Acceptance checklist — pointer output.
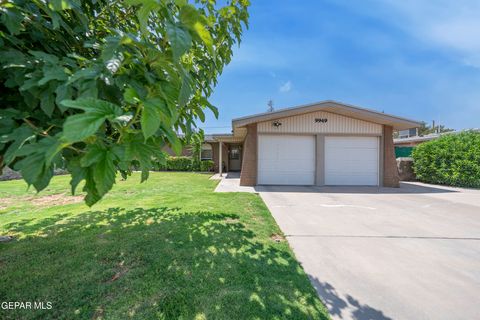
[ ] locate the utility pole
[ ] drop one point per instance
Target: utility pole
(270, 106)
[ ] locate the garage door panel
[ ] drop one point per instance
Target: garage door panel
(285, 178)
(352, 180)
(358, 142)
(351, 161)
(286, 159)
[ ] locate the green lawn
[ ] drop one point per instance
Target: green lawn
(169, 248)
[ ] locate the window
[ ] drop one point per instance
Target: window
(234, 154)
(206, 153)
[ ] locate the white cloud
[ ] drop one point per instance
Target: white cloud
(453, 25)
(286, 87)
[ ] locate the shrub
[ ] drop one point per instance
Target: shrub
(206, 165)
(196, 164)
(179, 163)
(453, 159)
(185, 164)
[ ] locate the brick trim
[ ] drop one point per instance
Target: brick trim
(390, 170)
(248, 175)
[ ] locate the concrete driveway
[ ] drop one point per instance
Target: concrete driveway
(380, 253)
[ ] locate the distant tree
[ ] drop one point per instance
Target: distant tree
(426, 129)
(101, 86)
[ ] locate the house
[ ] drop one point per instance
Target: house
(404, 145)
(325, 143)
(414, 140)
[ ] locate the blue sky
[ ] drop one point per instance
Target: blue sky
(414, 58)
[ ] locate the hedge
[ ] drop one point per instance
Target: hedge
(186, 164)
(452, 159)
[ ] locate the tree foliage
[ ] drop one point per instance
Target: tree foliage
(452, 159)
(425, 129)
(102, 86)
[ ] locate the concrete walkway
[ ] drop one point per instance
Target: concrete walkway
(381, 253)
(230, 182)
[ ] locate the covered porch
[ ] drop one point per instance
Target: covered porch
(226, 152)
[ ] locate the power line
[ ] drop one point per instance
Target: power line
(215, 127)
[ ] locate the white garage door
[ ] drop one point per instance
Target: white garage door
(351, 161)
(286, 159)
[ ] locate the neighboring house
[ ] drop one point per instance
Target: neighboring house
(412, 132)
(404, 146)
(325, 143)
(415, 140)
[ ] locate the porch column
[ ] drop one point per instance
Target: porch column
(220, 165)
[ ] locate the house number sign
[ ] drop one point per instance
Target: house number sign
(321, 120)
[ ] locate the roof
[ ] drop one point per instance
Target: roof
(416, 138)
(430, 136)
(398, 123)
(224, 137)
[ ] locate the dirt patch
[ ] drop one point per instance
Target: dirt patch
(98, 313)
(121, 271)
(5, 203)
(277, 237)
(41, 201)
(55, 200)
(231, 220)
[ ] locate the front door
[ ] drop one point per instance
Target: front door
(235, 158)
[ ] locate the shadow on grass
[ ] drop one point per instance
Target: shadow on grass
(152, 263)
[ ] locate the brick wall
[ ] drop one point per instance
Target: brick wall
(215, 156)
(390, 171)
(248, 176)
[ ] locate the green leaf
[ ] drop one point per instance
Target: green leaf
(45, 57)
(19, 137)
(131, 96)
(63, 92)
(104, 173)
(47, 102)
(204, 102)
(185, 91)
(53, 73)
(173, 139)
(204, 34)
(12, 19)
(143, 15)
(54, 146)
(33, 167)
(80, 126)
(196, 22)
(150, 119)
(90, 188)
(180, 39)
(200, 114)
(83, 74)
(136, 148)
(78, 174)
(92, 156)
(59, 5)
(44, 178)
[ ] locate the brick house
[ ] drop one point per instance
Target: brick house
(325, 143)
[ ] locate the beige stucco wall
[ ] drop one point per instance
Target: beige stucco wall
(306, 123)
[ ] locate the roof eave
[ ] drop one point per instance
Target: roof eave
(398, 123)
